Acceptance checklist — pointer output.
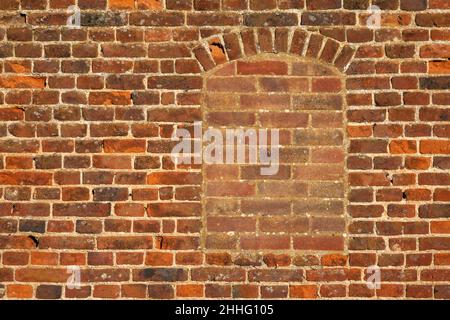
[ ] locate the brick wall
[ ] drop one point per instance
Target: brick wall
(300, 207)
(87, 179)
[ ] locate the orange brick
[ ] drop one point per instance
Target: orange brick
(303, 291)
(190, 290)
(22, 82)
(435, 147)
(402, 146)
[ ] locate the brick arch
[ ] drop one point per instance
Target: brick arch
(220, 49)
(214, 53)
(244, 213)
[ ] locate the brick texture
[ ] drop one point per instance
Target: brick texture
(86, 177)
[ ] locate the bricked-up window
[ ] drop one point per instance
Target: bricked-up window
(302, 206)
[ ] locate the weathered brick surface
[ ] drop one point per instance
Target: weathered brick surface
(86, 177)
(276, 212)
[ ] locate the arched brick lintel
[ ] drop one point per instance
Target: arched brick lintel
(220, 49)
